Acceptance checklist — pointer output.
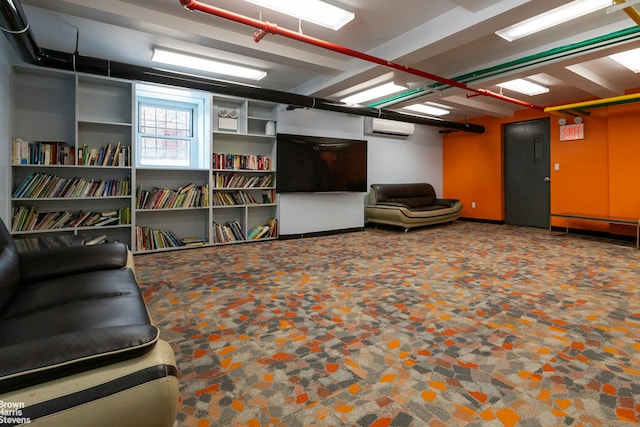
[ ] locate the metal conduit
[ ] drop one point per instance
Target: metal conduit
(549, 55)
(12, 18)
(266, 27)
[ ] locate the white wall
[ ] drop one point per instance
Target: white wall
(7, 57)
(390, 160)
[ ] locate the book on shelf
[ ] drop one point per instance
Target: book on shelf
(193, 241)
(42, 152)
(261, 231)
(42, 185)
(241, 161)
(107, 155)
(150, 239)
(233, 180)
(186, 196)
(34, 218)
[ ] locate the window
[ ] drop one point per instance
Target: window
(171, 129)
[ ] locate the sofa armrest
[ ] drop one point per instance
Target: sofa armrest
(445, 202)
(57, 262)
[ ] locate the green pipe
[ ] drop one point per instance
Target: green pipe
(559, 52)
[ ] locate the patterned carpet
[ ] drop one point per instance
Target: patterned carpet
(466, 324)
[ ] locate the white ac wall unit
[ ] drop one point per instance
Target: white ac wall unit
(391, 127)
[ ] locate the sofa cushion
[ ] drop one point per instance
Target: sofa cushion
(27, 363)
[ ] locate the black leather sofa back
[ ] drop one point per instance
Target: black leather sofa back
(410, 195)
(9, 266)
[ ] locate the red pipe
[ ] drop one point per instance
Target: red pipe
(266, 27)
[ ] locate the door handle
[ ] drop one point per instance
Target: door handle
(547, 179)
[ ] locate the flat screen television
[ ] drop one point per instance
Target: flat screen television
(320, 164)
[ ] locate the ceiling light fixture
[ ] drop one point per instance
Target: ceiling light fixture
(315, 11)
(427, 109)
(551, 18)
(204, 64)
(524, 86)
(373, 93)
(630, 59)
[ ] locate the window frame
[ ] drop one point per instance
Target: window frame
(198, 103)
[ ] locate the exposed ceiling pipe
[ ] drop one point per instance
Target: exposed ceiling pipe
(266, 27)
(12, 17)
(14, 23)
(631, 11)
(554, 54)
(596, 103)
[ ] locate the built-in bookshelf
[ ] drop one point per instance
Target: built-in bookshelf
(71, 177)
(243, 170)
(74, 178)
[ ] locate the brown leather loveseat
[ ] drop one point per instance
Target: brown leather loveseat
(409, 205)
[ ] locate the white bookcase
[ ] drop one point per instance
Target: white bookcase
(81, 114)
(243, 169)
(67, 113)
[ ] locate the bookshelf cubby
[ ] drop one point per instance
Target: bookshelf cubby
(74, 178)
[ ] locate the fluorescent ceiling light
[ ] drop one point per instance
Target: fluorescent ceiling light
(203, 64)
(524, 86)
(553, 17)
(630, 59)
(315, 11)
(427, 109)
(373, 93)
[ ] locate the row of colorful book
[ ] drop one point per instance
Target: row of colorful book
(32, 218)
(186, 196)
(270, 229)
(233, 198)
(241, 161)
(232, 180)
(108, 155)
(233, 231)
(43, 185)
(60, 153)
(228, 232)
(42, 152)
(149, 239)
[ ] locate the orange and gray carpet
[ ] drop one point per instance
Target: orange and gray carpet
(466, 324)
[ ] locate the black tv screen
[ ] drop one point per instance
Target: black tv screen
(320, 164)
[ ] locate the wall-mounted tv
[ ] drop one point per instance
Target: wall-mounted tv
(320, 164)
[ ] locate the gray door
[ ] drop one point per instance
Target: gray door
(526, 173)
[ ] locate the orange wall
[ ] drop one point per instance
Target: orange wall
(598, 175)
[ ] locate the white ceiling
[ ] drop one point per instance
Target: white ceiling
(446, 38)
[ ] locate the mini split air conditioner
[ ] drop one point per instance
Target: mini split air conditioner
(389, 127)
